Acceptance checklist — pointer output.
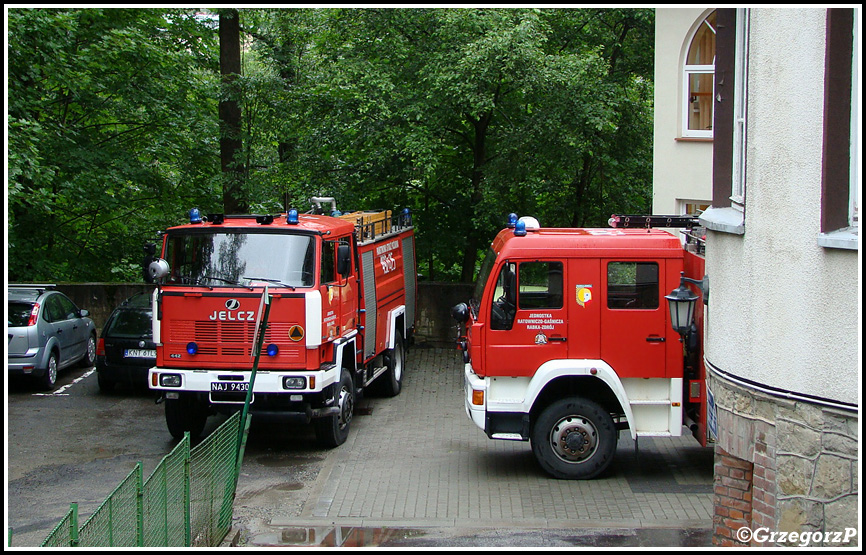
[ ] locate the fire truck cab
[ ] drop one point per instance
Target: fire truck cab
(341, 295)
(568, 340)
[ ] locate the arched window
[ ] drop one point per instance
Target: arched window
(698, 71)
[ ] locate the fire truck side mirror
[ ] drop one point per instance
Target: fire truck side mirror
(344, 260)
(149, 251)
(460, 312)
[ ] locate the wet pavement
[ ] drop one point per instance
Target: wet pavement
(415, 472)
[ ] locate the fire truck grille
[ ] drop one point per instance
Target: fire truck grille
(234, 338)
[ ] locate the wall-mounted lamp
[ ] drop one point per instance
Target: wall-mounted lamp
(682, 301)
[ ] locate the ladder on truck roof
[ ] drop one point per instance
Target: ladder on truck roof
(644, 221)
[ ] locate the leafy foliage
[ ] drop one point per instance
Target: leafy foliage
(463, 115)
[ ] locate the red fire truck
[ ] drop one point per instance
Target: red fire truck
(568, 339)
(342, 293)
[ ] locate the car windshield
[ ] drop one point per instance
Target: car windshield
(135, 324)
(19, 313)
(235, 258)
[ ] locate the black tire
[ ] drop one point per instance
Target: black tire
(574, 439)
(333, 431)
(186, 414)
(89, 359)
(49, 378)
(392, 380)
(106, 384)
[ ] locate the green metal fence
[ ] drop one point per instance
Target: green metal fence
(186, 501)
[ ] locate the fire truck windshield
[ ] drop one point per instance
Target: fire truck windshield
(227, 258)
(483, 274)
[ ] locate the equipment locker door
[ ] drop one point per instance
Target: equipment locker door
(528, 322)
(634, 318)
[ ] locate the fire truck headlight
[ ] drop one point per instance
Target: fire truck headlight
(273, 350)
(169, 380)
(294, 382)
(192, 348)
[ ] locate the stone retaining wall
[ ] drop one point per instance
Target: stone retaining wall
(433, 322)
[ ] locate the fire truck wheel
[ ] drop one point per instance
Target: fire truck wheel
(186, 414)
(333, 430)
(574, 439)
(392, 379)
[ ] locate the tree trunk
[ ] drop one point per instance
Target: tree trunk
(230, 113)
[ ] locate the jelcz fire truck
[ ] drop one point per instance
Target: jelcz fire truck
(342, 291)
(568, 339)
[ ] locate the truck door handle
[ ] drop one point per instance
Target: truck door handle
(557, 338)
(655, 339)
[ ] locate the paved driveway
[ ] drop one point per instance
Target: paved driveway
(415, 471)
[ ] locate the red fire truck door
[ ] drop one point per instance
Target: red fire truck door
(634, 318)
(528, 321)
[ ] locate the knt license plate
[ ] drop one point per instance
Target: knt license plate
(139, 353)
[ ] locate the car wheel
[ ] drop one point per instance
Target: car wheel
(49, 378)
(186, 414)
(332, 431)
(90, 354)
(574, 439)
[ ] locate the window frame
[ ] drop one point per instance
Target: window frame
(741, 102)
(689, 70)
(839, 172)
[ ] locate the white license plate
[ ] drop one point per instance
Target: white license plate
(139, 353)
(229, 386)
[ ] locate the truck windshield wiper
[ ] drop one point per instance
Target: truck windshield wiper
(269, 280)
(229, 281)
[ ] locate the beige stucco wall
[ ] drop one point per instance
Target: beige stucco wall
(681, 169)
(783, 310)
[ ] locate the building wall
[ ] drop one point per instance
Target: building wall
(786, 305)
(682, 169)
(781, 334)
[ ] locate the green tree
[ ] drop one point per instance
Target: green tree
(469, 114)
(111, 135)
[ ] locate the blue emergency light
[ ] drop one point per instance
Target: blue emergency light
(520, 228)
(292, 217)
(512, 220)
(194, 216)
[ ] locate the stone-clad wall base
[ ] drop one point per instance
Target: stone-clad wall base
(783, 465)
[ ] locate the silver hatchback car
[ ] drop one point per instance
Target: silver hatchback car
(47, 333)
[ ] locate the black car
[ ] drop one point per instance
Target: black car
(126, 350)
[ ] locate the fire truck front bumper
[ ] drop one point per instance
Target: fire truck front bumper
(476, 396)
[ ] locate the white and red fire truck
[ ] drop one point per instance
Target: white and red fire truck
(342, 291)
(568, 339)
